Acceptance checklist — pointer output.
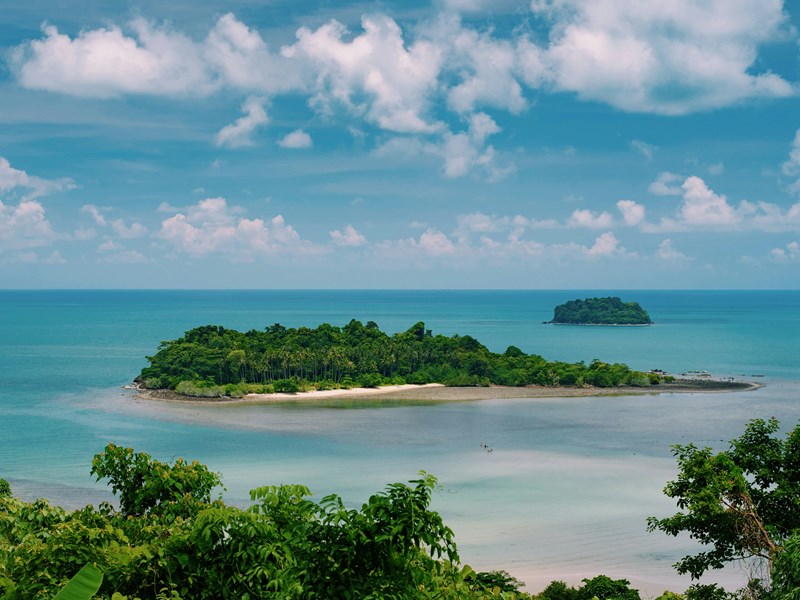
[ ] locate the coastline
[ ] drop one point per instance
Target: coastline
(437, 392)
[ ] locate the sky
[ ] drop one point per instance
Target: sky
(538, 144)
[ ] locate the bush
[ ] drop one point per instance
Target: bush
(286, 386)
(370, 380)
(5, 489)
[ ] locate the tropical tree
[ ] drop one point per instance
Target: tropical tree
(741, 503)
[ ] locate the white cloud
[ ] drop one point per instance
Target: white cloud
(716, 168)
(24, 226)
(588, 219)
(632, 213)
(128, 257)
(127, 232)
(430, 243)
(701, 206)
(792, 165)
(788, 254)
(606, 244)
(662, 57)
(486, 67)
(644, 149)
(666, 184)
(667, 252)
(212, 227)
(11, 178)
(242, 59)
(466, 152)
(239, 133)
(296, 139)
(701, 209)
(106, 62)
(463, 153)
(96, 213)
(348, 237)
(374, 74)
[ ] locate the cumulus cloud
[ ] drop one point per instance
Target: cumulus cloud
(348, 237)
(11, 178)
(96, 213)
(486, 67)
(107, 62)
(666, 184)
(667, 252)
(590, 220)
(662, 57)
(462, 153)
(632, 213)
(239, 133)
(788, 254)
(127, 232)
(239, 56)
(606, 244)
(213, 227)
(296, 139)
(466, 151)
(792, 165)
(701, 206)
(119, 226)
(375, 74)
(24, 226)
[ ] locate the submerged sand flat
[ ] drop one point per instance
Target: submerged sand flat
(436, 392)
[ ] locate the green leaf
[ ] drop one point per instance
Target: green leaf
(83, 585)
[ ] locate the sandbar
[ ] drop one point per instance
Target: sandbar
(436, 392)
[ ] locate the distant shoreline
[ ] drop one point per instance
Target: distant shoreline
(435, 392)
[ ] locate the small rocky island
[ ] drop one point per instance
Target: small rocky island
(600, 311)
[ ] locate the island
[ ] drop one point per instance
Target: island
(600, 311)
(212, 362)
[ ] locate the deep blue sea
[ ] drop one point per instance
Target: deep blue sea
(566, 491)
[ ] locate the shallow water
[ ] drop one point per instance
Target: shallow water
(565, 492)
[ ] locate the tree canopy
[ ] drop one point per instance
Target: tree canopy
(213, 360)
(173, 541)
(741, 503)
(600, 311)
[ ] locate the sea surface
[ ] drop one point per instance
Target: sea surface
(564, 494)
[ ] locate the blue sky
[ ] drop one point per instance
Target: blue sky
(441, 144)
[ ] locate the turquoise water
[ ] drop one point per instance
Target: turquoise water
(565, 492)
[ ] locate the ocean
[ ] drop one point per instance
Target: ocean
(564, 494)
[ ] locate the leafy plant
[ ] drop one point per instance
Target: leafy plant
(83, 585)
(743, 502)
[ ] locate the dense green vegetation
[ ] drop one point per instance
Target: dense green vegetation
(600, 311)
(741, 503)
(214, 361)
(169, 539)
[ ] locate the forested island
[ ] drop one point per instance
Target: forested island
(212, 361)
(600, 311)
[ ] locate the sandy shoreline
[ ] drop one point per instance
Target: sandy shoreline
(436, 392)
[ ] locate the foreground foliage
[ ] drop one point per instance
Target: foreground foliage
(169, 539)
(214, 361)
(742, 503)
(601, 311)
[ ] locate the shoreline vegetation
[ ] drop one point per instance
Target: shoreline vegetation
(212, 361)
(436, 392)
(609, 311)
